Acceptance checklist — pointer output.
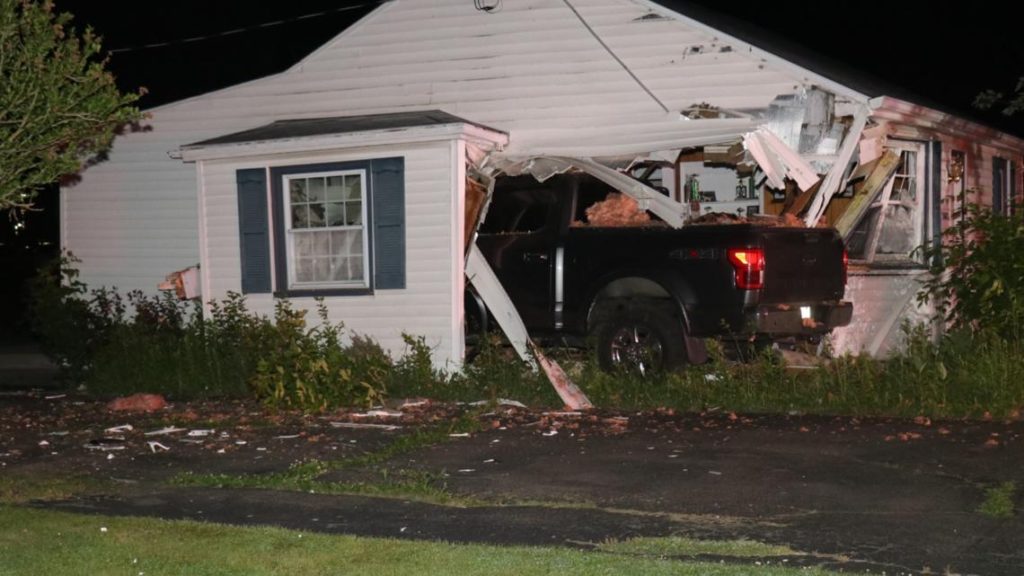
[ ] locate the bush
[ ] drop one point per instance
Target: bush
(70, 328)
(977, 279)
(113, 344)
(311, 370)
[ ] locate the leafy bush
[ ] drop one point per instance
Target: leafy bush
(119, 345)
(70, 327)
(977, 278)
(311, 370)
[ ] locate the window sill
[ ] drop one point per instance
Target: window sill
(314, 292)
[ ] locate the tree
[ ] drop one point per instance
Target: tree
(1009, 104)
(59, 107)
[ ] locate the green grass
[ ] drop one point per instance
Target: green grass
(305, 476)
(964, 376)
(678, 546)
(18, 487)
(999, 501)
(47, 542)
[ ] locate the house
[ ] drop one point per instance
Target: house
(346, 176)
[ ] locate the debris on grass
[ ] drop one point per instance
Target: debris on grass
(377, 414)
(104, 445)
(165, 431)
(505, 402)
(358, 425)
(138, 403)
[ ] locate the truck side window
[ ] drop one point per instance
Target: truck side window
(518, 211)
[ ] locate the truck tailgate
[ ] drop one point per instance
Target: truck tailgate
(802, 265)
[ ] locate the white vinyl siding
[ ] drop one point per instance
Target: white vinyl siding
(425, 308)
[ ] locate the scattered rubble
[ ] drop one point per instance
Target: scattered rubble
(138, 403)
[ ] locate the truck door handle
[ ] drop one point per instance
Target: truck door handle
(535, 257)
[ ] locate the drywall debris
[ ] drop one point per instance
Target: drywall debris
(378, 414)
(138, 403)
(105, 444)
(357, 425)
(499, 402)
(616, 211)
(165, 431)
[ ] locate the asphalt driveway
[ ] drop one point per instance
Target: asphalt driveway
(854, 495)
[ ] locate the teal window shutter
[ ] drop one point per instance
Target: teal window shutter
(998, 185)
(253, 230)
(388, 190)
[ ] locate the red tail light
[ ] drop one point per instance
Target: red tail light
(846, 265)
(749, 266)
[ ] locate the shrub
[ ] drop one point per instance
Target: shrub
(68, 326)
(977, 279)
(311, 370)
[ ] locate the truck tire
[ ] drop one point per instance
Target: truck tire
(642, 337)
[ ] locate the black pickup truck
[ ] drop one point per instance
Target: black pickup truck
(647, 296)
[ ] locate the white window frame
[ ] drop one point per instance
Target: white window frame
(885, 199)
(292, 260)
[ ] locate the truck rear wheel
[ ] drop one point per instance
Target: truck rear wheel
(639, 337)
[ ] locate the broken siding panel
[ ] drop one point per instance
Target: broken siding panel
(883, 304)
(423, 308)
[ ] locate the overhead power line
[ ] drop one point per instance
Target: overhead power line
(234, 31)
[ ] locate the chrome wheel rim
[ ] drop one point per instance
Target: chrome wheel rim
(636, 348)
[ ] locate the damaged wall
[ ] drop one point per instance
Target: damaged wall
(885, 292)
(547, 82)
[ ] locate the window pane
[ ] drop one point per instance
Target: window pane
(898, 234)
(336, 214)
(343, 243)
(353, 187)
(303, 244)
(297, 189)
(335, 188)
(857, 245)
(315, 189)
(340, 269)
(317, 217)
(321, 269)
(321, 243)
(354, 214)
(304, 270)
(356, 267)
(300, 216)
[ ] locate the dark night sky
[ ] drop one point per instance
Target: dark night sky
(934, 53)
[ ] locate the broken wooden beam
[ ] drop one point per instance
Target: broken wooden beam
(862, 199)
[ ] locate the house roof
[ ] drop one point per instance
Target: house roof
(856, 78)
(309, 127)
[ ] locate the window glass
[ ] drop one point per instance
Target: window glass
(326, 236)
(893, 226)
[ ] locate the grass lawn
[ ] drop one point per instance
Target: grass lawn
(48, 542)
